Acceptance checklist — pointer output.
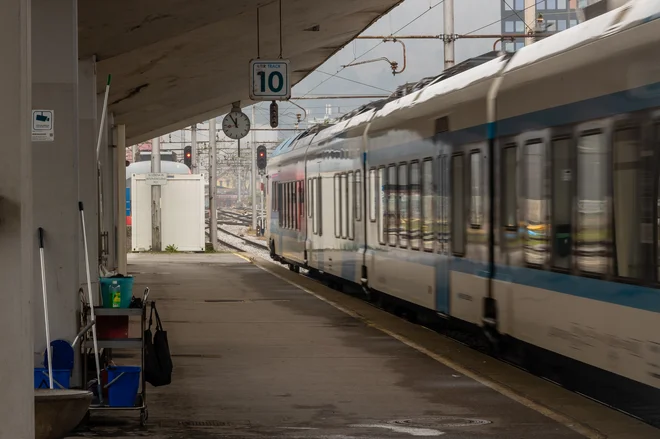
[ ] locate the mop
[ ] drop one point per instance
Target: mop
(43, 286)
(91, 305)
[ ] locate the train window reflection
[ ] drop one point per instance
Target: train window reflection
(415, 205)
(392, 213)
(562, 203)
(457, 205)
(357, 187)
(510, 202)
(373, 197)
(535, 209)
(427, 204)
(315, 207)
(342, 206)
(350, 191)
(402, 207)
(309, 197)
(628, 227)
(592, 218)
(476, 209)
(382, 200)
(319, 203)
(337, 207)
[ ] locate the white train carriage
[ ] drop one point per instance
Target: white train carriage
(521, 194)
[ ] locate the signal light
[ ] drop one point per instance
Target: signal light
(273, 115)
(187, 156)
(262, 157)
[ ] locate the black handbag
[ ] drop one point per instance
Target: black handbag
(157, 360)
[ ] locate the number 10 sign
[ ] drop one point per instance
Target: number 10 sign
(269, 80)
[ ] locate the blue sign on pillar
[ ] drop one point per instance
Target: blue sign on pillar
(128, 201)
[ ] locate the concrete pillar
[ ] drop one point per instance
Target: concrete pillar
(17, 232)
(87, 174)
(55, 165)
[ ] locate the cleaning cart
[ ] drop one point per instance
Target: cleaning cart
(123, 387)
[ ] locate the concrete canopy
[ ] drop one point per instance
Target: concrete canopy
(178, 62)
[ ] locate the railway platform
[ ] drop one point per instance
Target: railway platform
(262, 352)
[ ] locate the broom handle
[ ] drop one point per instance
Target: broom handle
(49, 355)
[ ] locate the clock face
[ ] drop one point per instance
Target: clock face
(236, 125)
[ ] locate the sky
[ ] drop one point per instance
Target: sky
(424, 57)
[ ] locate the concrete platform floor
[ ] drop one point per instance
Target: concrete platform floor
(256, 356)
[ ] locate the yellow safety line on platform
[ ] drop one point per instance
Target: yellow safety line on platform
(243, 257)
(574, 425)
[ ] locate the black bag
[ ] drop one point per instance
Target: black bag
(157, 360)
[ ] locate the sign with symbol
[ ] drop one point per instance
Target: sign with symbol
(566, 175)
(156, 179)
(269, 80)
(43, 125)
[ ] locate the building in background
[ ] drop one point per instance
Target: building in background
(521, 17)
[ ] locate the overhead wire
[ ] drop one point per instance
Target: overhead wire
(374, 47)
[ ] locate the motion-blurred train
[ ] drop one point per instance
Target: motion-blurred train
(513, 192)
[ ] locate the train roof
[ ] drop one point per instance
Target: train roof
(486, 66)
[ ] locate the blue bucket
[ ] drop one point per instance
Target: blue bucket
(125, 286)
(123, 391)
(61, 378)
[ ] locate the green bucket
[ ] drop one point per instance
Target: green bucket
(125, 286)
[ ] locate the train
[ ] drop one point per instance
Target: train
(515, 193)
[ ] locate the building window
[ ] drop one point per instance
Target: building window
(574, 23)
(520, 4)
(508, 26)
(540, 4)
(551, 4)
(510, 47)
(519, 45)
(561, 25)
(561, 4)
(551, 25)
(592, 217)
(520, 27)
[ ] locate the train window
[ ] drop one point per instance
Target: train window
(630, 228)
(319, 203)
(343, 202)
(476, 210)
(392, 213)
(534, 236)
(310, 209)
(415, 205)
(592, 217)
(280, 194)
(509, 188)
(350, 208)
(337, 207)
(373, 183)
(562, 203)
(382, 207)
(301, 203)
(402, 207)
(285, 205)
(427, 204)
(314, 206)
(457, 205)
(358, 195)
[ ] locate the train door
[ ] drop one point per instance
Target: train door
(442, 234)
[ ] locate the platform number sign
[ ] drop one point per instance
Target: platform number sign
(270, 80)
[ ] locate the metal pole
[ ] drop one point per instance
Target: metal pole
(213, 208)
(253, 177)
(448, 12)
(238, 186)
(121, 200)
(261, 211)
(155, 197)
(193, 148)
